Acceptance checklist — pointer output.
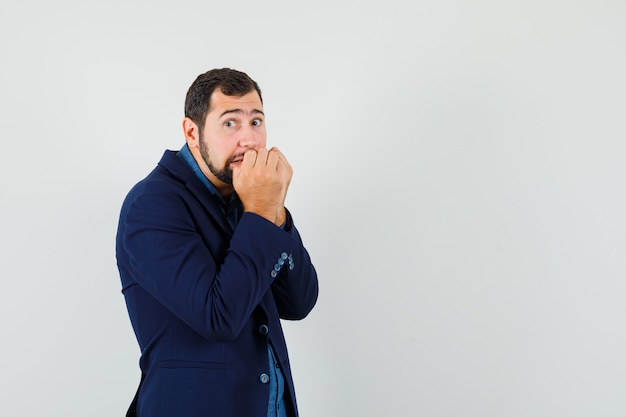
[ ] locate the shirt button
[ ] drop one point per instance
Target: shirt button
(273, 274)
(264, 378)
(264, 329)
(284, 255)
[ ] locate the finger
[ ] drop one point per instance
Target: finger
(249, 159)
(283, 164)
(261, 158)
(273, 159)
(277, 151)
(281, 156)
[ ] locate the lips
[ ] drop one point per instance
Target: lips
(236, 159)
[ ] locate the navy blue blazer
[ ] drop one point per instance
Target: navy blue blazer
(204, 301)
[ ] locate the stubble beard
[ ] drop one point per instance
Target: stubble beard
(225, 173)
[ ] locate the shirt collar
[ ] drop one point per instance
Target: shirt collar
(232, 208)
(186, 155)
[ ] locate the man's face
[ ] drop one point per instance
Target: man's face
(233, 125)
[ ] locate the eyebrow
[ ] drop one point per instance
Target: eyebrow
(254, 111)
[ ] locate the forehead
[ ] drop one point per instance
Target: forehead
(220, 103)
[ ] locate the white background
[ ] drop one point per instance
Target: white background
(459, 182)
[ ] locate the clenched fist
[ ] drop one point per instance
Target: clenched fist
(261, 182)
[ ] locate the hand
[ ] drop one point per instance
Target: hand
(261, 182)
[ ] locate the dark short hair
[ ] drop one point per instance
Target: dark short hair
(230, 82)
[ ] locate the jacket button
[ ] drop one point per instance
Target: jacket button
(264, 378)
(264, 329)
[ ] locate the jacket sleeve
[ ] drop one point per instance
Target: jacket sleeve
(215, 294)
(296, 287)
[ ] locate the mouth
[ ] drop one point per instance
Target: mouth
(236, 160)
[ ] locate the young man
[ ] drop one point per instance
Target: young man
(210, 261)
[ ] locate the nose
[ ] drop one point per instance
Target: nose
(248, 138)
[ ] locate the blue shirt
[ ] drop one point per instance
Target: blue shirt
(232, 210)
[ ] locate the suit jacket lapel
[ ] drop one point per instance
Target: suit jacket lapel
(181, 170)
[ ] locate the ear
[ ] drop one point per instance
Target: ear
(192, 133)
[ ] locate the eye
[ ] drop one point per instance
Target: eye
(230, 123)
(256, 122)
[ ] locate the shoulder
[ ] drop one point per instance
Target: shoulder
(166, 184)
